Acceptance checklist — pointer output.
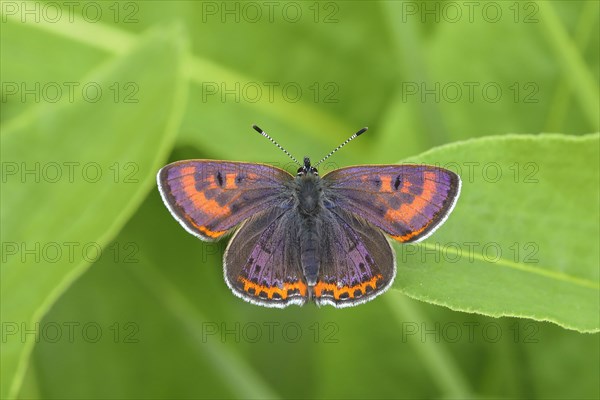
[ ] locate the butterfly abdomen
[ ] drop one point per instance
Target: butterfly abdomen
(309, 249)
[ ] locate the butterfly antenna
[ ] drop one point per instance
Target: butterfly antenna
(257, 129)
(357, 134)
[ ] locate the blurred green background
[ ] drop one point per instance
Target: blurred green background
(104, 295)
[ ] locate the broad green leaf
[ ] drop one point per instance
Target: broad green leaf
(73, 173)
(523, 239)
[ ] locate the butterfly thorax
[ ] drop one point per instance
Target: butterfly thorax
(308, 190)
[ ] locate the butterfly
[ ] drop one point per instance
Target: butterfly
(307, 238)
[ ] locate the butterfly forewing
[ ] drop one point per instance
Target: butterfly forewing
(209, 197)
(408, 202)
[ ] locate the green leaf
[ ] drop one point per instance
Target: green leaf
(523, 239)
(73, 173)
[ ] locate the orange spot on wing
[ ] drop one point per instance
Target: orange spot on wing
(230, 181)
(407, 212)
(271, 290)
(209, 233)
(406, 185)
(209, 207)
(204, 229)
(409, 235)
(212, 183)
(320, 287)
(386, 183)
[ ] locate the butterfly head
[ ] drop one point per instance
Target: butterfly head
(307, 169)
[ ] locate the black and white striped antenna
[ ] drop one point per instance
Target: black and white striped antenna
(257, 129)
(357, 134)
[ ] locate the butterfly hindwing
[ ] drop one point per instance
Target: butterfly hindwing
(408, 202)
(209, 197)
(357, 261)
(262, 263)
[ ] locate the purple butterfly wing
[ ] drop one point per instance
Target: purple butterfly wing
(357, 261)
(262, 262)
(408, 202)
(209, 198)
